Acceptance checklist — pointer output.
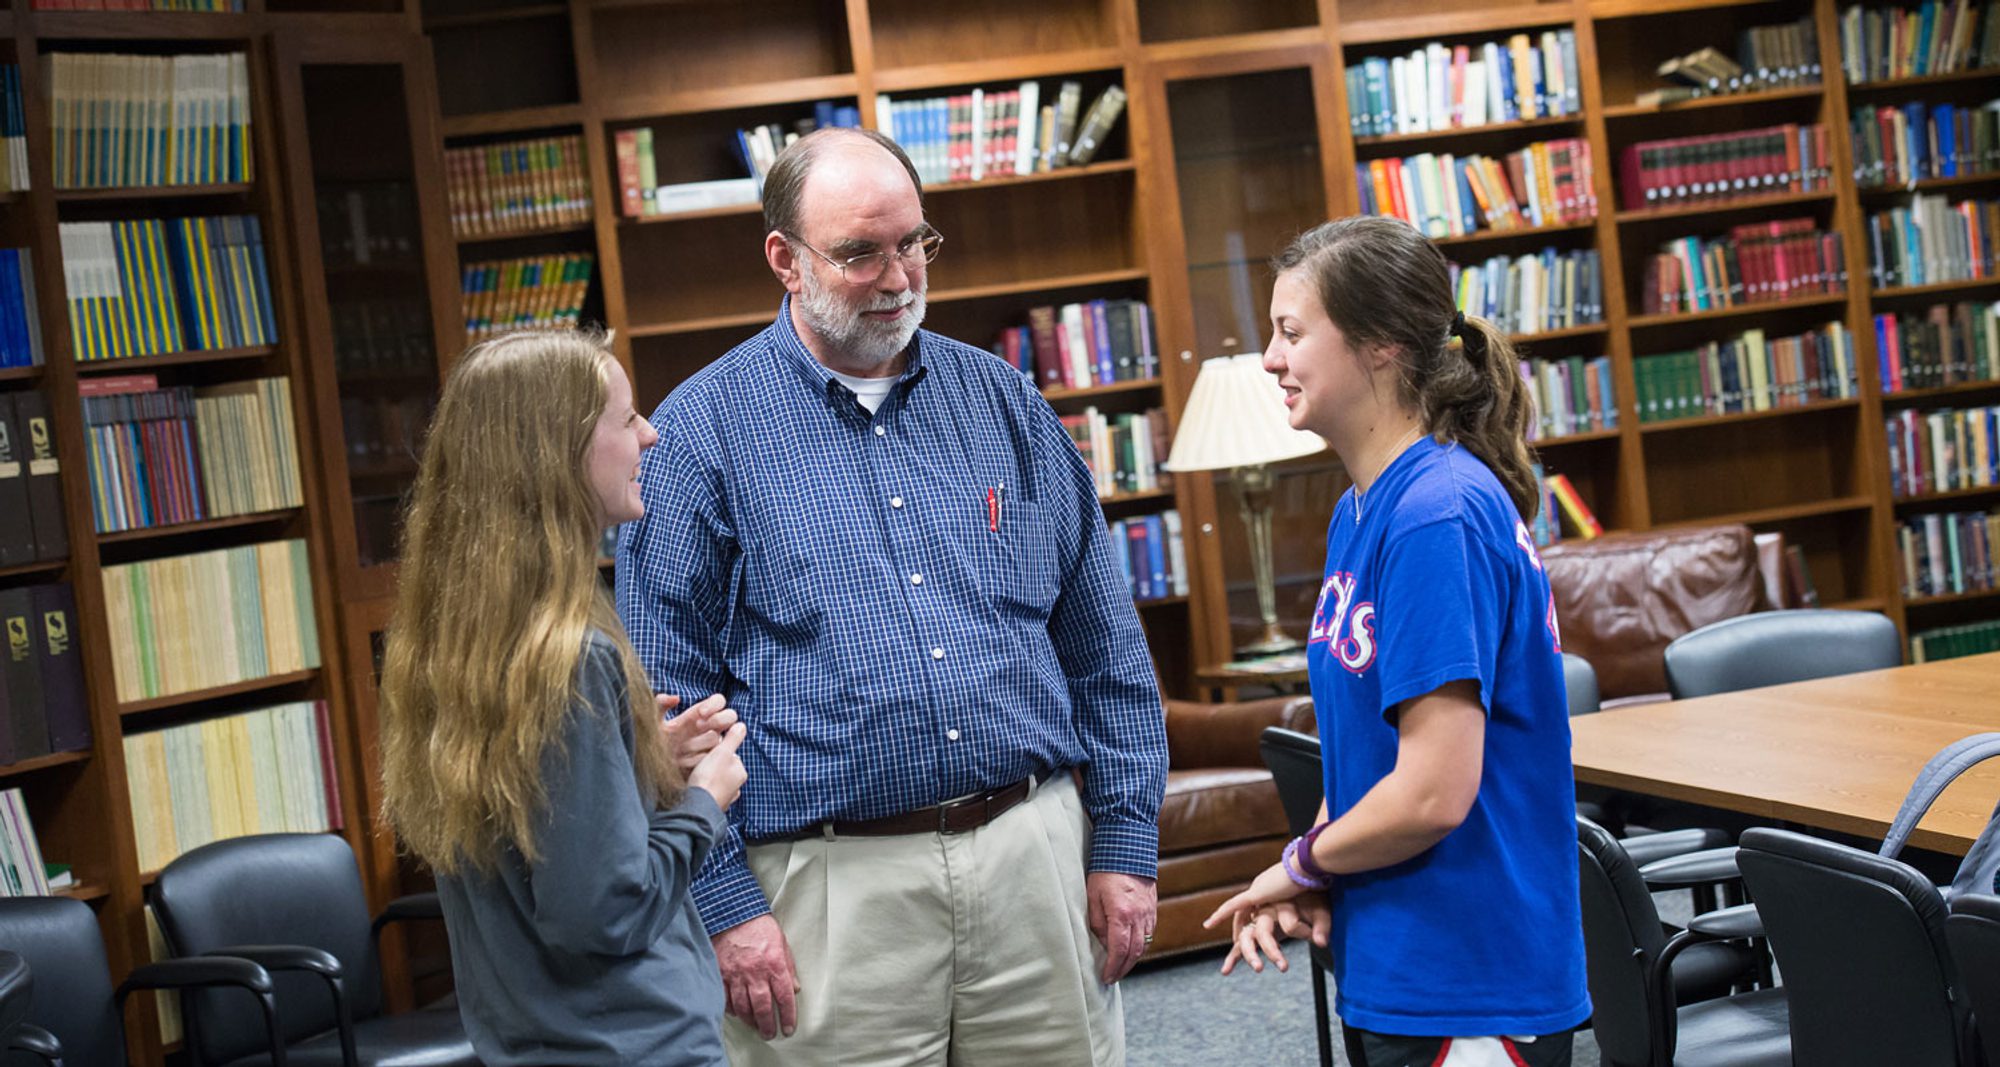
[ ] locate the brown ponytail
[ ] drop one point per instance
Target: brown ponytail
(1384, 284)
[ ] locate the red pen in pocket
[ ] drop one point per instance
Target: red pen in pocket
(993, 510)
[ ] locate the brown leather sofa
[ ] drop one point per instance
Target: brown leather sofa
(1621, 598)
(1221, 822)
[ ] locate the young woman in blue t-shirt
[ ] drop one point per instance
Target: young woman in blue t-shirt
(1442, 871)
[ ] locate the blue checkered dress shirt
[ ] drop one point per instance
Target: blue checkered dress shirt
(839, 577)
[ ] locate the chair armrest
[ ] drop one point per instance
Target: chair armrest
(1710, 867)
(408, 908)
(1651, 848)
(196, 971)
(1728, 924)
(1226, 735)
(35, 1041)
(284, 958)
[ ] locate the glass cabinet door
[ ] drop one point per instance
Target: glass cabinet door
(367, 214)
(1251, 174)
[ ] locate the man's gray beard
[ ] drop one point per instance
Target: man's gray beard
(863, 343)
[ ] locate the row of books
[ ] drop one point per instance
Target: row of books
(1935, 37)
(184, 454)
(1560, 501)
(32, 528)
(1950, 642)
(1085, 344)
(1942, 345)
(1948, 553)
(144, 287)
(1767, 57)
(23, 872)
(1749, 372)
(1758, 263)
(185, 623)
(1154, 562)
(1124, 451)
(137, 5)
(1930, 241)
(1443, 87)
(532, 293)
(1943, 450)
(368, 224)
(20, 320)
(1896, 146)
(757, 147)
(126, 120)
(13, 131)
(640, 194)
(517, 185)
(266, 771)
(382, 337)
(1546, 184)
(1551, 290)
(969, 137)
(1791, 158)
(1572, 395)
(42, 707)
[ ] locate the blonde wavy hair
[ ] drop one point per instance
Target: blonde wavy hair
(498, 589)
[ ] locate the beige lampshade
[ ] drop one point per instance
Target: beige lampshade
(1236, 418)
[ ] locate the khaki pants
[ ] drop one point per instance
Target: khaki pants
(961, 950)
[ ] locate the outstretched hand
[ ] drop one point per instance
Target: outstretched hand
(692, 733)
(1254, 913)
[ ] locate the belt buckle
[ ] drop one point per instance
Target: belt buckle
(945, 809)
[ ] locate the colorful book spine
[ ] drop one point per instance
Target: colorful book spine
(1749, 372)
(1942, 345)
(533, 293)
(1764, 262)
(1442, 87)
(1151, 556)
(1548, 183)
(143, 287)
(1572, 395)
(187, 623)
(135, 120)
(988, 133)
(1932, 240)
(1936, 37)
(1943, 450)
(1792, 158)
(1531, 294)
(517, 186)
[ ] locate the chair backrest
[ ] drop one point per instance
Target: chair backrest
(270, 889)
(1860, 939)
(1295, 766)
(1580, 681)
(1775, 647)
(1973, 931)
(59, 941)
(1632, 1017)
(17, 990)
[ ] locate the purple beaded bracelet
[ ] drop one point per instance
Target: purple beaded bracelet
(1294, 869)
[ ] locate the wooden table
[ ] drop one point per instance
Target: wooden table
(1837, 753)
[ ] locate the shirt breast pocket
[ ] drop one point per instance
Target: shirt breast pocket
(781, 590)
(1021, 565)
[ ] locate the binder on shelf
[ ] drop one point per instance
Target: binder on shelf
(45, 506)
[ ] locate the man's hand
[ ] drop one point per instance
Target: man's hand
(1123, 909)
(693, 732)
(758, 973)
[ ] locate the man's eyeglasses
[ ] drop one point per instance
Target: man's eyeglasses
(866, 268)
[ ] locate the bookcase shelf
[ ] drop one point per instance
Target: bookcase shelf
(1575, 439)
(522, 234)
(1149, 496)
(149, 533)
(1941, 392)
(20, 374)
(693, 216)
(1926, 501)
(1302, 38)
(1025, 286)
(1463, 133)
(1720, 208)
(142, 364)
(53, 759)
(128, 25)
(1006, 69)
(88, 892)
(1922, 81)
(487, 18)
(1790, 512)
(1616, 112)
(199, 696)
(1919, 603)
(1526, 233)
(152, 192)
(1138, 385)
(1160, 602)
(1905, 292)
(1705, 421)
(1455, 23)
(697, 101)
(513, 120)
(1595, 329)
(1927, 185)
(1767, 307)
(1093, 170)
(23, 570)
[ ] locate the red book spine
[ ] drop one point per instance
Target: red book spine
(328, 771)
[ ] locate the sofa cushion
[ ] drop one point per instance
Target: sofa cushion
(1621, 598)
(1232, 865)
(1218, 806)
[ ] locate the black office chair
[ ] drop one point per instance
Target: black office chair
(1293, 758)
(17, 992)
(1580, 682)
(294, 903)
(1644, 845)
(1861, 941)
(1636, 1013)
(74, 1015)
(1973, 932)
(1775, 647)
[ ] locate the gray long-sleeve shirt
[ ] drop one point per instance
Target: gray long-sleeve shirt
(594, 954)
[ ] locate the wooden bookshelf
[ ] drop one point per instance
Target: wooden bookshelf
(230, 522)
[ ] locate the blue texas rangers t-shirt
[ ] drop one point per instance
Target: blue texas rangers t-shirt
(1433, 580)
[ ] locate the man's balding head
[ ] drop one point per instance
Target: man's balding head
(785, 186)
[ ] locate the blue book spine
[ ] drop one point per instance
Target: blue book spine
(1124, 558)
(1510, 108)
(1468, 215)
(823, 114)
(1136, 558)
(1944, 122)
(1100, 329)
(1156, 556)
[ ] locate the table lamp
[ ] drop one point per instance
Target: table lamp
(1235, 420)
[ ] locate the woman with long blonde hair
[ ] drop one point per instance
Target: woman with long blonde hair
(523, 754)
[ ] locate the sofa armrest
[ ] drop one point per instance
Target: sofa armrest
(1225, 735)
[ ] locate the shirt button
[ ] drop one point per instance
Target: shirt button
(895, 502)
(951, 735)
(937, 653)
(879, 431)
(916, 579)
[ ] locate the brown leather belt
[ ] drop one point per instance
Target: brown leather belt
(951, 817)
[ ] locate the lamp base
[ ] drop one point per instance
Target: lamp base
(1270, 643)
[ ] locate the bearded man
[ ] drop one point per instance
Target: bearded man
(881, 545)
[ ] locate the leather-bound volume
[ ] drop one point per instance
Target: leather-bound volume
(17, 529)
(22, 668)
(45, 505)
(54, 634)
